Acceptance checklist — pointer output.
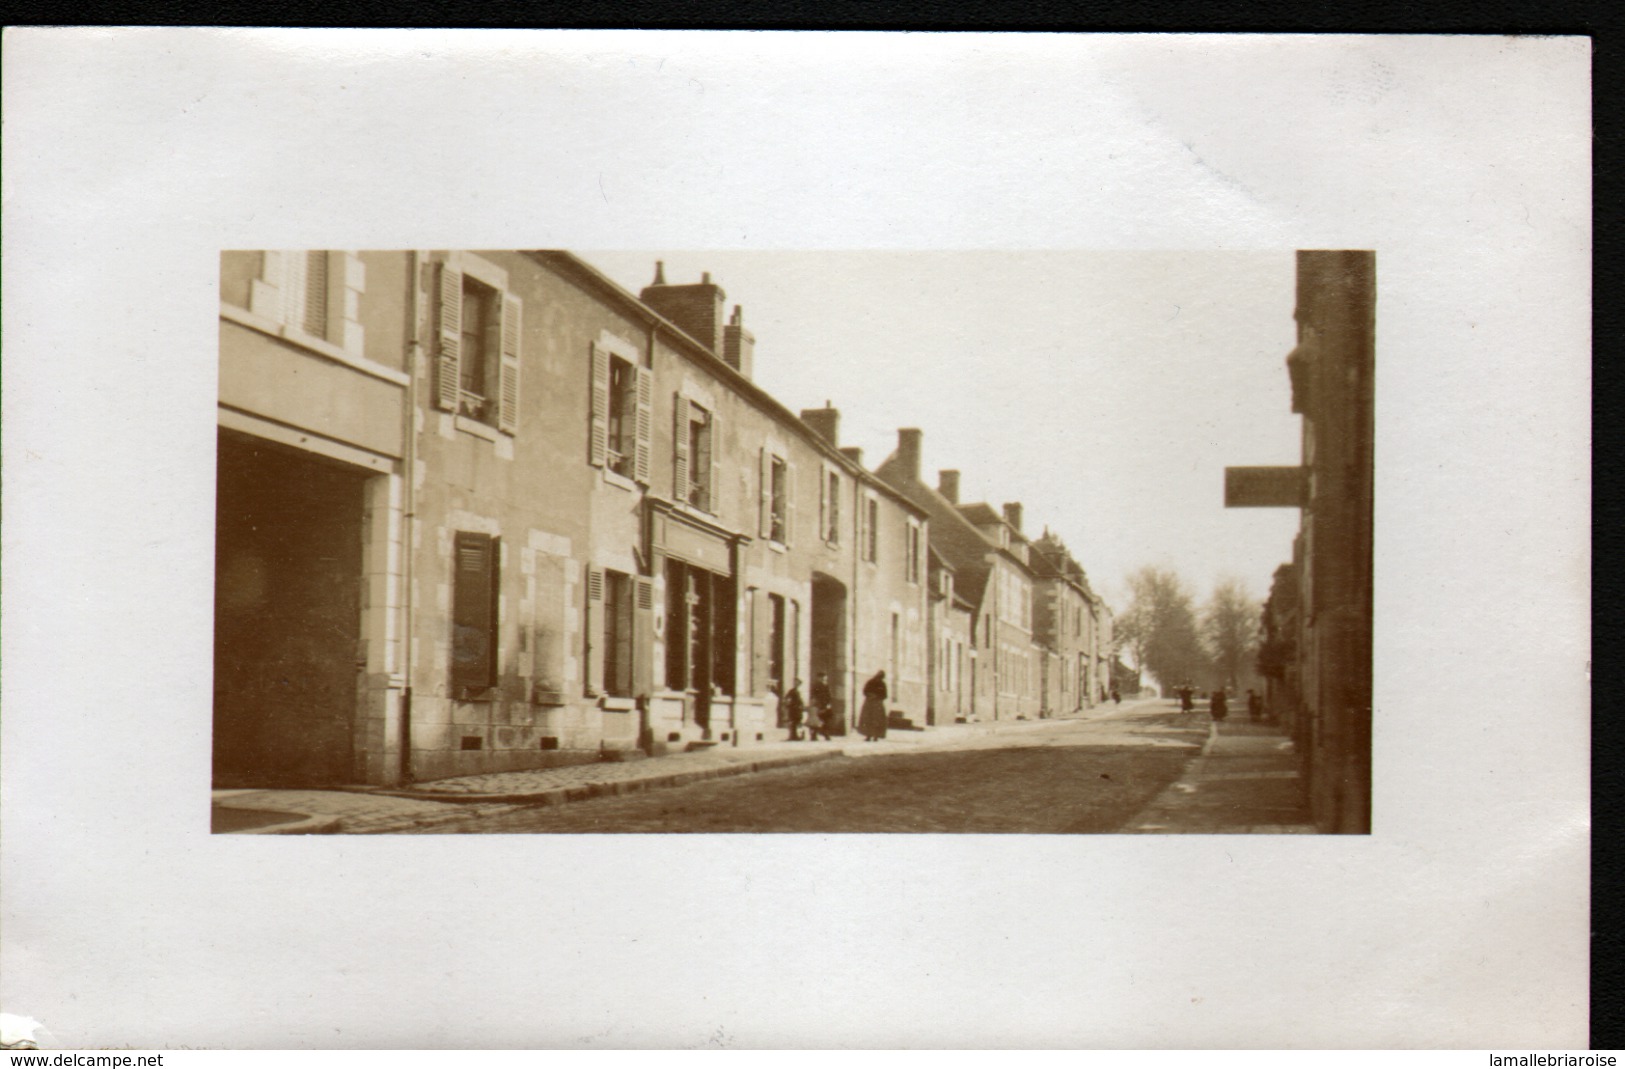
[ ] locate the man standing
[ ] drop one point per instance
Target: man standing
(793, 706)
(819, 715)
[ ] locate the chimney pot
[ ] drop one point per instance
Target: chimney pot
(1012, 514)
(660, 273)
(948, 485)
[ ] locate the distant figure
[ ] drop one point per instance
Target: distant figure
(1117, 699)
(821, 714)
(1255, 705)
(872, 718)
(1218, 704)
(1185, 703)
(793, 707)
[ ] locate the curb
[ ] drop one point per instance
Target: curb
(585, 791)
(308, 826)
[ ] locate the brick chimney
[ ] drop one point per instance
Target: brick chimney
(696, 308)
(826, 421)
(853, 453)
(948, 485)
(909, 442)
(1012, 514)
(739, 344)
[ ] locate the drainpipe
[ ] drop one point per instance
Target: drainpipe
(409, 497)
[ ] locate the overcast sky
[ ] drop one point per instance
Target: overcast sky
(1106, 391)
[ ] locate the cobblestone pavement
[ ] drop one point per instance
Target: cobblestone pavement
(427, 804)
(1245, 783)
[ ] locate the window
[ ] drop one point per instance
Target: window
(829, 509)
(622, 410)
(778, 495)
(695, 477)
(623, 419)
(912, 565)
(776, 680)
(478, 329)
(700, 629)
(778, 487)
(617, 634)
(474, 614)
(479, 307)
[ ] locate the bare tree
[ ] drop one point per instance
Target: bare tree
(1230, 630)
(1159, 627)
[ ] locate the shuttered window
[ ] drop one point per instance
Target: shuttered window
(622, 416)
(829, 508)
(777, 497)
(479, 331)
(695, 477)
(474, 613)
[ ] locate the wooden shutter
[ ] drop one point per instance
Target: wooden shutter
(645, 428)
(512, 311)
(315, 322)
(761, 633)
(679, 479)
(449, 367)
(713, 493)
(765, 466)
(593, 628)
(823, 506)
(598, 437)
(789, 502)
(863, 525)
(643, 637)
(474, 602)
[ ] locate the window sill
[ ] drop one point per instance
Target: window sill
(776, 546)
(477, 429)
(615, 478)
(618, 705)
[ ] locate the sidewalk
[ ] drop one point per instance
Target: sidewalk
(1245, 783)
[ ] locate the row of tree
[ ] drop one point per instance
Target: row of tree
(1165, 634)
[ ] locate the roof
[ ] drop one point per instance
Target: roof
(581, 271)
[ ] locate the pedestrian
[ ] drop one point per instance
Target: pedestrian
(793, 708)
(872, 718)
(1255, 706)
(821, 713)
(1185, 703)
(1117, 698)
(1218, 704)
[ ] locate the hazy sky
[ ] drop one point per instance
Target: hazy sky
(1106, 391)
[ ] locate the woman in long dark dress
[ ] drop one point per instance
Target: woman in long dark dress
(872, 718)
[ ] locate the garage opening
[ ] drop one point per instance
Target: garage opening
(287, 637)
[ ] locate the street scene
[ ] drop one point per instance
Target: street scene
(510, 542)
(1145, 767)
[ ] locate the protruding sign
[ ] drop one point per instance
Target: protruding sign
(1263, 488)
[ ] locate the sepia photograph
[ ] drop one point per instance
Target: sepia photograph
(647, 540)
(506, 545)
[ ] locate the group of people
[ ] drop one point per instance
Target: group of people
(820, 717)
(1219, 702)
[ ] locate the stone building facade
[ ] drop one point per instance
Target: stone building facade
(487, 510)
(1318, 620)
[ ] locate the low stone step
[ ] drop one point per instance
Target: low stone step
(700, 744)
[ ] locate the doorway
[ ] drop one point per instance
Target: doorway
(287, 626)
